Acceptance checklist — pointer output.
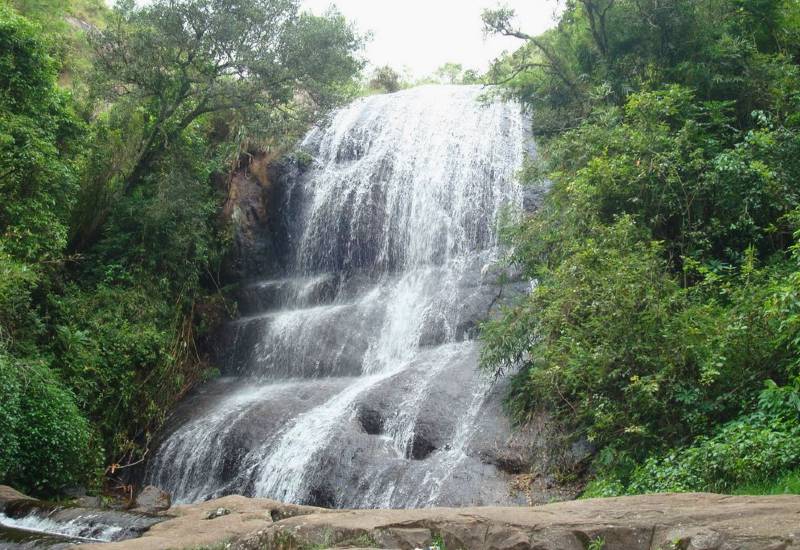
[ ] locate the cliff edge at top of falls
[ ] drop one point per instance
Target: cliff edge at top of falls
(692, 521)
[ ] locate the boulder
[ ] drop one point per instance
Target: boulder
(89, 502)
(9, 493)
(152, 499)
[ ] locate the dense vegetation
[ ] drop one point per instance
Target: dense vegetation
(665, 326)
(117, 130)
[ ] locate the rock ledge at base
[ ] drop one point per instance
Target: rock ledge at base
(692, 521)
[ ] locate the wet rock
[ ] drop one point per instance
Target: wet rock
(421, 447)
(432, 332)
(75, 492)
(274, 345)
(371, 420)
(152, 499)
(506, 460)
(8, 494)
(25, 519)
(89, 502)
(533, 196)
(248, 207)
(321, 497)
(581, 450)
(371, 258)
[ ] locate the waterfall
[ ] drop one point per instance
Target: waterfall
(353, 380)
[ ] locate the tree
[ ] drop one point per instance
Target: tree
(171, 62)
(454, 73)
(183, 59)
(450, 73)
(385, 78)
(38, 144)
(501, 21)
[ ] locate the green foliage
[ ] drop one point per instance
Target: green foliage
(163, 59)
(784, 308)
(604, 50)
(66, 23)
(9, 415)
(111, 238)
(665, 251)
(454, 73)
(47, 445)
(748, 451)
(788, 484)
(17, 322)
(167, 226)
(385, 79)
(438, 542)
(114, 352)
(38, 139)
(627, 357)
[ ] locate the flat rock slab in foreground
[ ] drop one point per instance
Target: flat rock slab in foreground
(695, 521)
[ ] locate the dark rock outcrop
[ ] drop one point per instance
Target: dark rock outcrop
(248, 209)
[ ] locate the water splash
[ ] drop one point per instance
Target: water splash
(81, 529)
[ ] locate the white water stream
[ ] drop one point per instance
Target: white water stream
(357, 384)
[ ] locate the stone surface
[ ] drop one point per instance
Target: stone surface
(218, 513)
(188, 527)
(247, 208)
(30, 523)
(89, 502)
(152, 499)
(7, 494)
(695, 521)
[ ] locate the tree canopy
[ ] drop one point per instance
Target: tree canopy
(181, 60)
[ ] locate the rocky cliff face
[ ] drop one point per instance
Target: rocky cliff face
(250, 211)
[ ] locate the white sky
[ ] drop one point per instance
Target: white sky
(422, 35)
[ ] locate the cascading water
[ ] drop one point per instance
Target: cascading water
(26, 523)
(353, 382)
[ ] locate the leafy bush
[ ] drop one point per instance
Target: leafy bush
(9, 415)
(113, 347)
(752, 449)
(17, 322)
(39, 142)
(612, 343)
(47, 444)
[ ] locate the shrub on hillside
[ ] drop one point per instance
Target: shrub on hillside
(750, 450)
(47, 444)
